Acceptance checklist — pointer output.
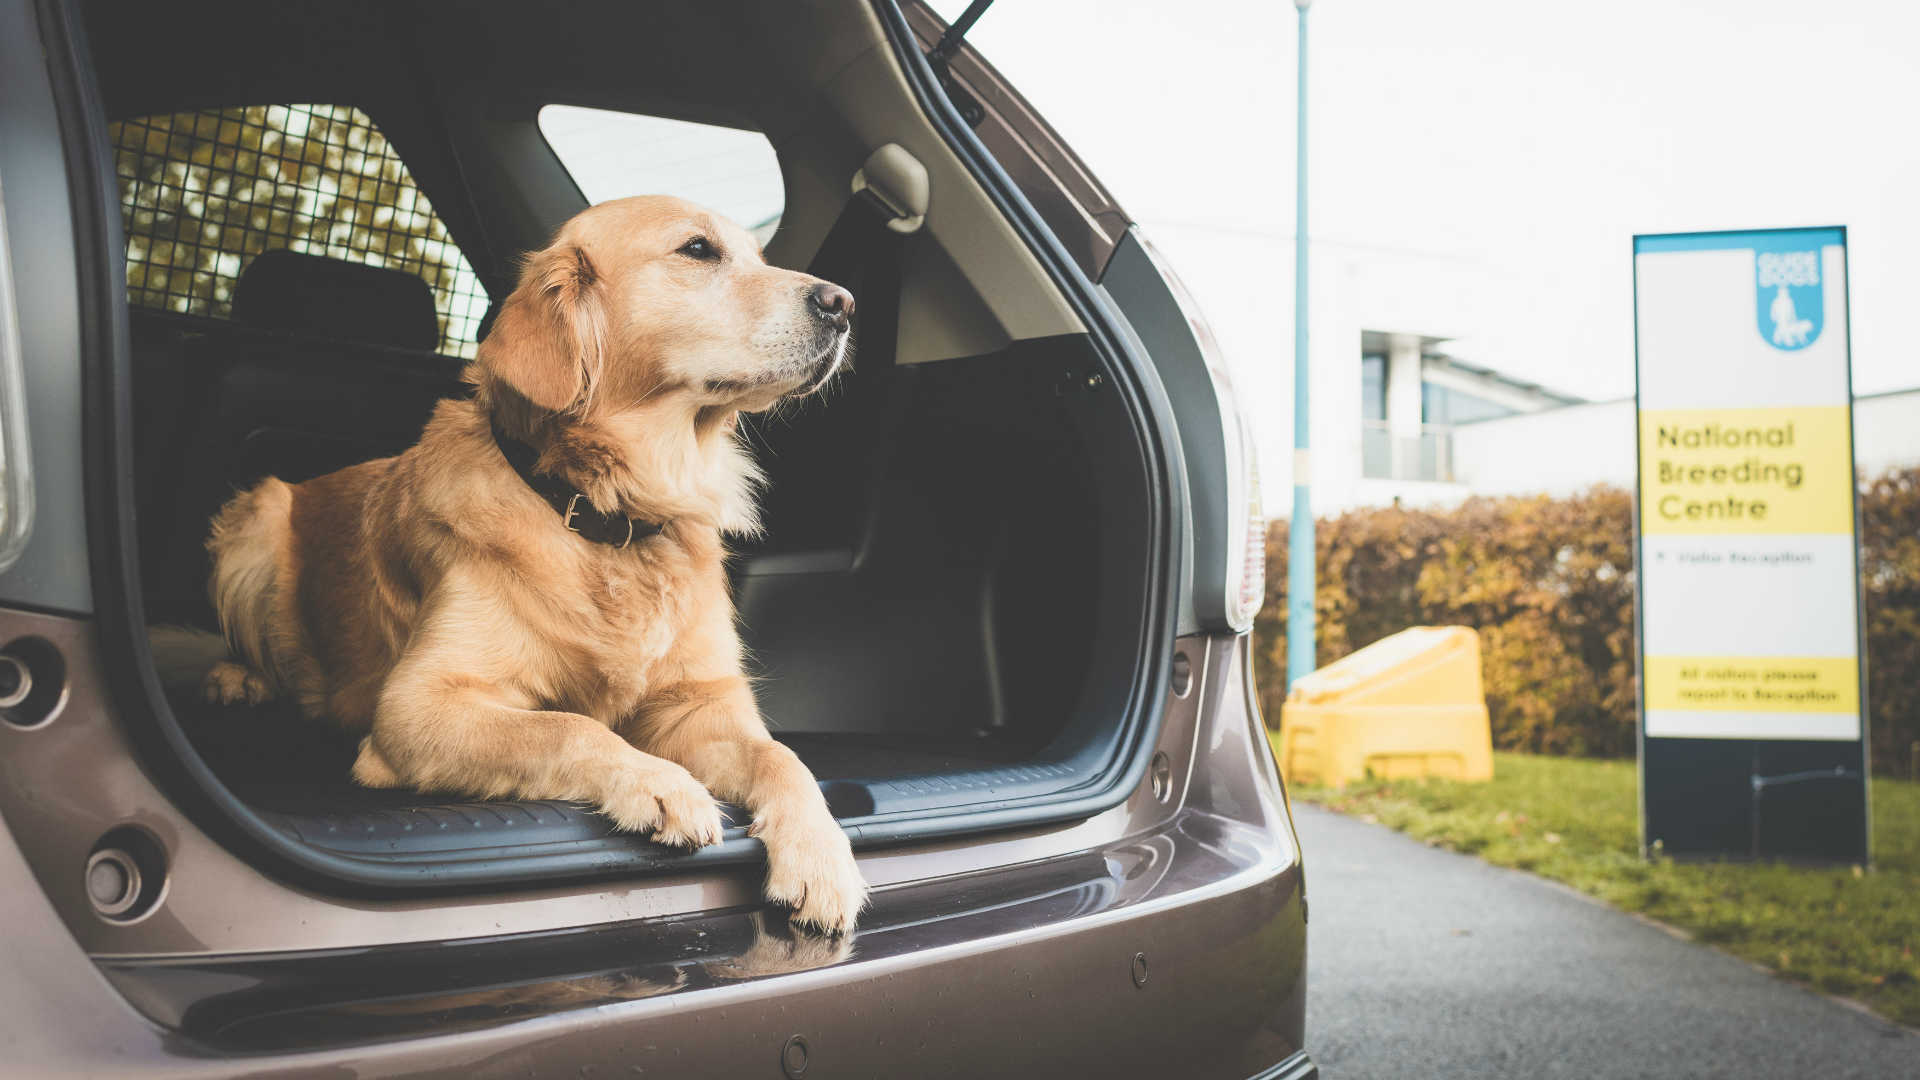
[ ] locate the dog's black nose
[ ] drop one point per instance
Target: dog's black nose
(832, 303)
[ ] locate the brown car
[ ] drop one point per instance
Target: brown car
(1001, 606)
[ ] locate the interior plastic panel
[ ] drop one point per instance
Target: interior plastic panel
(966, 506)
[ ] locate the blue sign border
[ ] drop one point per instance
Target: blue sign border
(1754, 239)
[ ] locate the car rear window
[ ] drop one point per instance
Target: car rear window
(204, 192)
(612, 155)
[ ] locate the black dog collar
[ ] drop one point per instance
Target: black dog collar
(577, 512)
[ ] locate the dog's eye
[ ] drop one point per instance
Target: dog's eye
(700, 248)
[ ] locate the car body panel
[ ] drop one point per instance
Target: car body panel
(52, 573)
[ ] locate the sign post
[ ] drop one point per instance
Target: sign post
(1752, 689)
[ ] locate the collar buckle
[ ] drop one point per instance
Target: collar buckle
(600, 527)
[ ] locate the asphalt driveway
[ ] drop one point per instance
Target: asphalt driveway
(1424, 963)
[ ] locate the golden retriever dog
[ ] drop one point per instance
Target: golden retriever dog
(530, 603)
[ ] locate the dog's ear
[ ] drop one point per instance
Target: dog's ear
(549, 340)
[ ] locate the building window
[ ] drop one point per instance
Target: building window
(1444, 405)
(203, 192)
(1376, 443)
(1373, 387)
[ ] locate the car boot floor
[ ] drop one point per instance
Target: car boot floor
(297, 774)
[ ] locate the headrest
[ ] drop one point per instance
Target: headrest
(310, 294)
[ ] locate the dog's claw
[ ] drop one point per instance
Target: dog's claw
(814, 875)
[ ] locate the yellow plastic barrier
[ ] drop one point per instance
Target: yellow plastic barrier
(1405, 706)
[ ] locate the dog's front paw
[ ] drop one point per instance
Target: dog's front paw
(370, 769)
(228, 683)
(811, 870)
(667, 802)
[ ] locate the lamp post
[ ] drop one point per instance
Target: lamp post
(1300, 552)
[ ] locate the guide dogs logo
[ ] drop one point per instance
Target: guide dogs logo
(1790, 304)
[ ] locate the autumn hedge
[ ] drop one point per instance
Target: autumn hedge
(1549, 585)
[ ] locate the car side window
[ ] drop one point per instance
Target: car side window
(612, 155)
(204, 192)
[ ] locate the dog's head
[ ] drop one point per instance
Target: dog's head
(640, 298)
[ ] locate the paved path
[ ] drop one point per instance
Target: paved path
(1424, 963)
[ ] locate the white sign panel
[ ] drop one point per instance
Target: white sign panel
(1749, 586)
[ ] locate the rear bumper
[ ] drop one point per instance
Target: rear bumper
(1177, 953)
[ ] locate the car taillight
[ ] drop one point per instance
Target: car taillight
(16, 469)
(1252, 591)
(1245, 588)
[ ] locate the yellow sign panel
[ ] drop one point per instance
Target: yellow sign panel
(1717, 471)
(1806, 684)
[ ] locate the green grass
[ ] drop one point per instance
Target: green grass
(1845, 930)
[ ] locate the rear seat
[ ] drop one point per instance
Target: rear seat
(325, 363)
(337, 300)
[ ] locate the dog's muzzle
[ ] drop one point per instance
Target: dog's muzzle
(828, 365)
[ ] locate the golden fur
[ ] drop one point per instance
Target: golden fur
(435, 603)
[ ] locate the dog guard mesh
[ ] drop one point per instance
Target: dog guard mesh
(203, 192)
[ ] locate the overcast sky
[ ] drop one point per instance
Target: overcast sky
(1526, 139)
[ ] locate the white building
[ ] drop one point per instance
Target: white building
(1560, 451)
(1407, 350)
(1409, 402)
